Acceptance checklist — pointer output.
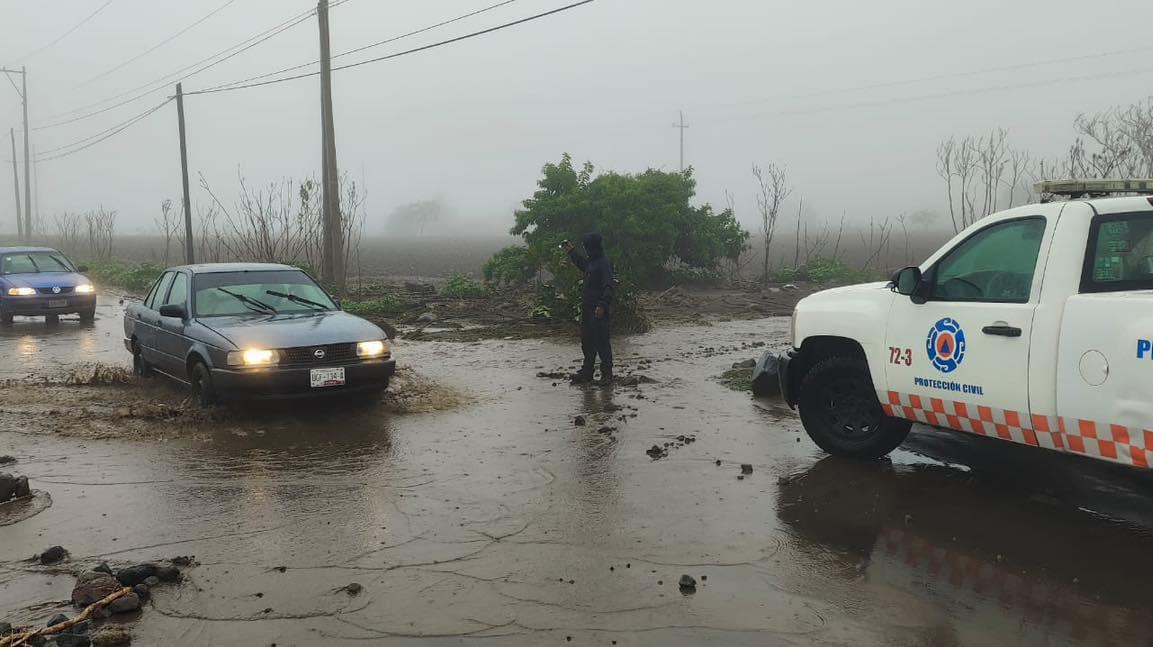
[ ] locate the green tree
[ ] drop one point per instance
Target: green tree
(647, 219)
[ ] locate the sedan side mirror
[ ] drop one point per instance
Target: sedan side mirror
(82, 268)
(174, 310)
(910, 283)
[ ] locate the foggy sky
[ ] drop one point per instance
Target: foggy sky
(472, 123)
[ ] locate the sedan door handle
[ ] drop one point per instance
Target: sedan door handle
(1002, 330)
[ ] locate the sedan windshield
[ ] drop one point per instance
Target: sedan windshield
(223, 294)
(34, 263)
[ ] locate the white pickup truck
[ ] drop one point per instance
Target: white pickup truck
(1034, 325)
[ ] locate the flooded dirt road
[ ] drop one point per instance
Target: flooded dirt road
(490, 517)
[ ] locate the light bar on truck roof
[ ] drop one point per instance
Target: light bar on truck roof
(1091, 186)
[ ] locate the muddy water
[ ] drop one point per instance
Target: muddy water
(501, 522)
(30, 346)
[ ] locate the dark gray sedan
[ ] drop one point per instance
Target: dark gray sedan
(253, 330)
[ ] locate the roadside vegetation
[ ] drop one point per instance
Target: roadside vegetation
(134, 277)
(650, 226)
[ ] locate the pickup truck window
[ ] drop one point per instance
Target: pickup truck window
(996, 264)
(1119, 254)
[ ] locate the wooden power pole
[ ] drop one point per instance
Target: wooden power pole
(189, 257)
(332, 262)
(16, 186)
(27, 160)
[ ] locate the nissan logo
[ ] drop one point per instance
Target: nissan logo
(319, 353)
(56, 290)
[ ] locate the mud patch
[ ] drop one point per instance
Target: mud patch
(23, 508)
(738, 379)
(412, 392)
(157, 410)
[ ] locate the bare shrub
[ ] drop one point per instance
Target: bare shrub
(101, 225)
(773, 191)
(69, 227)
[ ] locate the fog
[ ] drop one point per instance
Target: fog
(817, 87)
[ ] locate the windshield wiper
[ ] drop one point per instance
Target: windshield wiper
(249, 301)
(295, 299)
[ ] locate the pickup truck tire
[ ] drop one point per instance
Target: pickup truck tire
(841, 413)
(202, 389)
(88, 316)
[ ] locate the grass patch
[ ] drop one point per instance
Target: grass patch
(136, 277)
(462, 287)
(824, 271)
(738, 379)
(384, 304)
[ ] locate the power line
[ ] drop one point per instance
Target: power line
(103, 136)
(952, 93)
(372, 45)
(162, 82)
(96, 135)
(956, 75)
(67, 33)
(155, 47)
(399, 54)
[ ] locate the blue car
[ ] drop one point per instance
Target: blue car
(42, 282)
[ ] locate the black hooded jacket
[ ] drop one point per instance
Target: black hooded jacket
(600, 282)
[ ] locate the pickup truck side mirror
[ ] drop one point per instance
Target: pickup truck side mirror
(174, 310)
(910, 283)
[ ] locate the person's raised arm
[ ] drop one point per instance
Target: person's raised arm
(580, 261)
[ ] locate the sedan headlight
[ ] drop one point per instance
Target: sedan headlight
(372, 348)
(253, 357)
(21, 292)
(85, 288)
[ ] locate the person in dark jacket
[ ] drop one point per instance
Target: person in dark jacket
(596, 304)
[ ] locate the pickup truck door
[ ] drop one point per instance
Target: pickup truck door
(960, 359)
(171, 340)
(1105, 353)
(147, 319)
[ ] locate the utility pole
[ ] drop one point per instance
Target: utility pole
(27, 160)
(332, 263)
(16, 185)
(682, 126)
(188, 246)
(25, 231)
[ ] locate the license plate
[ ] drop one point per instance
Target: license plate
(322, 377)
(58, 303)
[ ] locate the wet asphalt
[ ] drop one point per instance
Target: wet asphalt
(502, 522)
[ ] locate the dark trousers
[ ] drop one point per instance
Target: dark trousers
(595, 341)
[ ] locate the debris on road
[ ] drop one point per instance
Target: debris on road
(52, 555)
(13, 487)
(688, 584)
(579, 421)
(746, 468)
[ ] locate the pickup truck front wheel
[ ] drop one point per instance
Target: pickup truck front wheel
(841, 413)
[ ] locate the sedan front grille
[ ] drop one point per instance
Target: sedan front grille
(59, 290)
(326, 354)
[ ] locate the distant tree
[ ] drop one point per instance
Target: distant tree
(415, 217)
(773, 191)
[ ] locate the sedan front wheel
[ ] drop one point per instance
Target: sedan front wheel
(202, 389)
